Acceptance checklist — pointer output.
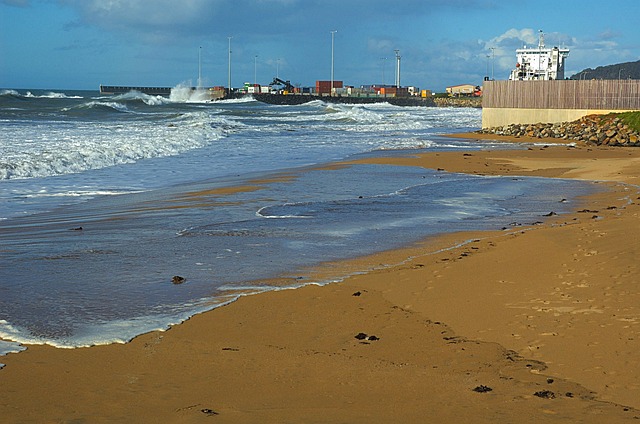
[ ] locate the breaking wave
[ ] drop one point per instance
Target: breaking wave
(59, 149)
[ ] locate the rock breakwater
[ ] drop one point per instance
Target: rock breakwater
(606, 130)
(458, 101)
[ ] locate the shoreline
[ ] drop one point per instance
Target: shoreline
(431, 336)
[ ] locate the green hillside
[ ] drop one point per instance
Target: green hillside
(628, 70)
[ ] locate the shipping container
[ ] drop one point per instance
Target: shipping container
(323, 87)
(388, 91)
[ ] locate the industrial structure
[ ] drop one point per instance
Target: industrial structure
(464, 90)
(539, 63)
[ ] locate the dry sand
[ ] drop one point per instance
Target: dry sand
(542, 321)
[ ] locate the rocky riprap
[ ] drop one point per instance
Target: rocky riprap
(598, 130)
(475, 102)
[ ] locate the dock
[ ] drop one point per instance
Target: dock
(118, 89)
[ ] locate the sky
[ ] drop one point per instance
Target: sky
(80, 44)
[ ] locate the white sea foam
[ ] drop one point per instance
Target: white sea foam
(9, 93)
(80, 193)
(54, 95)
(30, 95)
(10, 347)
(184, 93)
(57, 149)
(146, 98)
(108, 332)
(241, 100)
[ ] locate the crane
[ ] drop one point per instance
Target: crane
(287, 84)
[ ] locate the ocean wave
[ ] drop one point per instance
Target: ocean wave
(186, 94)
(10, 95)
(95, 104)
(136, 96)
(30, 95)
(408, 144)
(264, 212)
(51, 95)
(242, 100)
(350, 118)
(102, 332)
(58, 149)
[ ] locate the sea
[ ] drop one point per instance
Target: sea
(105, 199)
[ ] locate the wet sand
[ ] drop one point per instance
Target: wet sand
(530, 324)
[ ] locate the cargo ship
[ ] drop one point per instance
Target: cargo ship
(539, 63)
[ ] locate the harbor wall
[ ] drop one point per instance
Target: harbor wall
(296, 99)
(530, 102)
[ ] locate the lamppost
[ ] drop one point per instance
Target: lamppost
(333, 33)
(200, 67)
(229, 74)
(277, 68)
(621, 69)
(487, 73)
(384, 62)
(397, 68)
(255, 70)
(493, 60)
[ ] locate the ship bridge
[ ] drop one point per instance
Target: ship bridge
(539, 63)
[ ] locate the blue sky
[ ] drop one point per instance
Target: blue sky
(79, 44)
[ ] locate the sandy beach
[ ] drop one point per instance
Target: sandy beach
(533, 324)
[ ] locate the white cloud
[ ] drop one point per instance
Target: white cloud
(380, 45)
(145, 13)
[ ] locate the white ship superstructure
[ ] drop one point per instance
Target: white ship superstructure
(539, 63)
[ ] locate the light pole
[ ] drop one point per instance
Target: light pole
(255, 70)
(333, 33)
(200, 67)
(397, 68)
(229, 74)
(487, 74)
(621, 69)
(384, 61)
(278, 68)
(493, 60)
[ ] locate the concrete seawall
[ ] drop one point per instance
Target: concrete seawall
(499, 117)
